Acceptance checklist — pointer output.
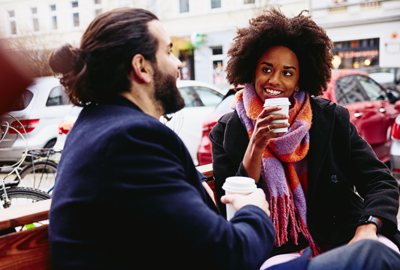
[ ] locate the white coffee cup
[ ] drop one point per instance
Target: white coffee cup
(237, 185)
(284, 103)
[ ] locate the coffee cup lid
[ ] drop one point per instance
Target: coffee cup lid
(277, 101)
(239, 184)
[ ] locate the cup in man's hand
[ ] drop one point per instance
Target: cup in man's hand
(237, 185)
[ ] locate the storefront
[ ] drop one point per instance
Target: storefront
(356, 53)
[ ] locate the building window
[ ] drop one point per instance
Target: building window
(216, 50)
(13, 27)
(75, 17)
(54, 23)
(12, 22)
(249, 2)
(183, 6)
(215, 4)
(53, 17)
(97, 2)
(35, 24)
(75, 13)
(35, 19)
(97, 11)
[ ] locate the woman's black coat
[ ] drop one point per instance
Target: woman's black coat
(338, 160)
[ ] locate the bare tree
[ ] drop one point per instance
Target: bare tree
(32, 51)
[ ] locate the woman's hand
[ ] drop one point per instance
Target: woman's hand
(263, 127)
(262, 134)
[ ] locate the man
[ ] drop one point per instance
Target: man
(127, 194)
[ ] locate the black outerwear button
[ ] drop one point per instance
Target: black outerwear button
(334, 179)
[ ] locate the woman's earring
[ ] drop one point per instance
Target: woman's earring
(296, 89)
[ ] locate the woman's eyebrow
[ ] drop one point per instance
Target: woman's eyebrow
(289, 67)
(268, 64)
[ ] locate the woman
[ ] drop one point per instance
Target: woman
(308, 173)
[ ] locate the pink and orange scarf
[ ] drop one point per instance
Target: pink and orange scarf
(284, 165)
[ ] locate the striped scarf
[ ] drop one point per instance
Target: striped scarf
(284, 165)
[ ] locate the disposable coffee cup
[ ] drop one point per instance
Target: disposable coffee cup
(237, 185)
(284, 103)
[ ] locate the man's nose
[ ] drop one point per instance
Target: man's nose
(179, 63)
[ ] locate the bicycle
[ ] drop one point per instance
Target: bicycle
(41, 172)
(10, 193)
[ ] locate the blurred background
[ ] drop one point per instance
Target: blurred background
(365, 32)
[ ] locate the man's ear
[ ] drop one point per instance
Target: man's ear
(142, 69)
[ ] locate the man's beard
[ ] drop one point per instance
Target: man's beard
(166, 93)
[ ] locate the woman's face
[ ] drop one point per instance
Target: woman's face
(277, 73)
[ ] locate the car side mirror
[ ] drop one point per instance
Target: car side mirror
(393, 96)
(397, 105)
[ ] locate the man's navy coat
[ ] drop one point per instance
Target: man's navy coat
(128, 196)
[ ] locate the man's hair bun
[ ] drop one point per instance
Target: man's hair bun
(64, 59)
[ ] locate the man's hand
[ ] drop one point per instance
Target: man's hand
(256, 198)
(367, 231)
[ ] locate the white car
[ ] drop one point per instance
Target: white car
(39, 109)
(200, 100)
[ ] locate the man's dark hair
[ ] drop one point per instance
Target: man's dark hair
(300, 34)
(100, 67)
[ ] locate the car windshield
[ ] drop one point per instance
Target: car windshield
(225, 105)
(22, 101)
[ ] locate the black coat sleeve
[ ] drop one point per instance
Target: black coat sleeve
(374, 182)
(223, 165)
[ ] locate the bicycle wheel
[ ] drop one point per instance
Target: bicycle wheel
(21, 196)
(39, 174)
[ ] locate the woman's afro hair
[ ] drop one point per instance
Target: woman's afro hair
(300, 34)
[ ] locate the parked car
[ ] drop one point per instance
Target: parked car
(389, 77)
(395, 149)
(65, 126)
(39, 109)
(200, 100)
(372, 108)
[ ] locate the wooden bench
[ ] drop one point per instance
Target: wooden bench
(29, 249)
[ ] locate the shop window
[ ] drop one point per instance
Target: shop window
(183, 6)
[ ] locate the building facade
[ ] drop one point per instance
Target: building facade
(365, 32)
(202, 30)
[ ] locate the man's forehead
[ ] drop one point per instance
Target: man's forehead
(158, 30)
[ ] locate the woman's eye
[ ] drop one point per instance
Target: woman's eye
(287, 73)
(266, 70)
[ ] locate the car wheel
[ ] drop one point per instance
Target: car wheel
(50, 144)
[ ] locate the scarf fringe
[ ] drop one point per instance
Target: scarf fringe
(285, 206)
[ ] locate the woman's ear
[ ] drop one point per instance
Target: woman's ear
(142, 69)
(296, 89)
